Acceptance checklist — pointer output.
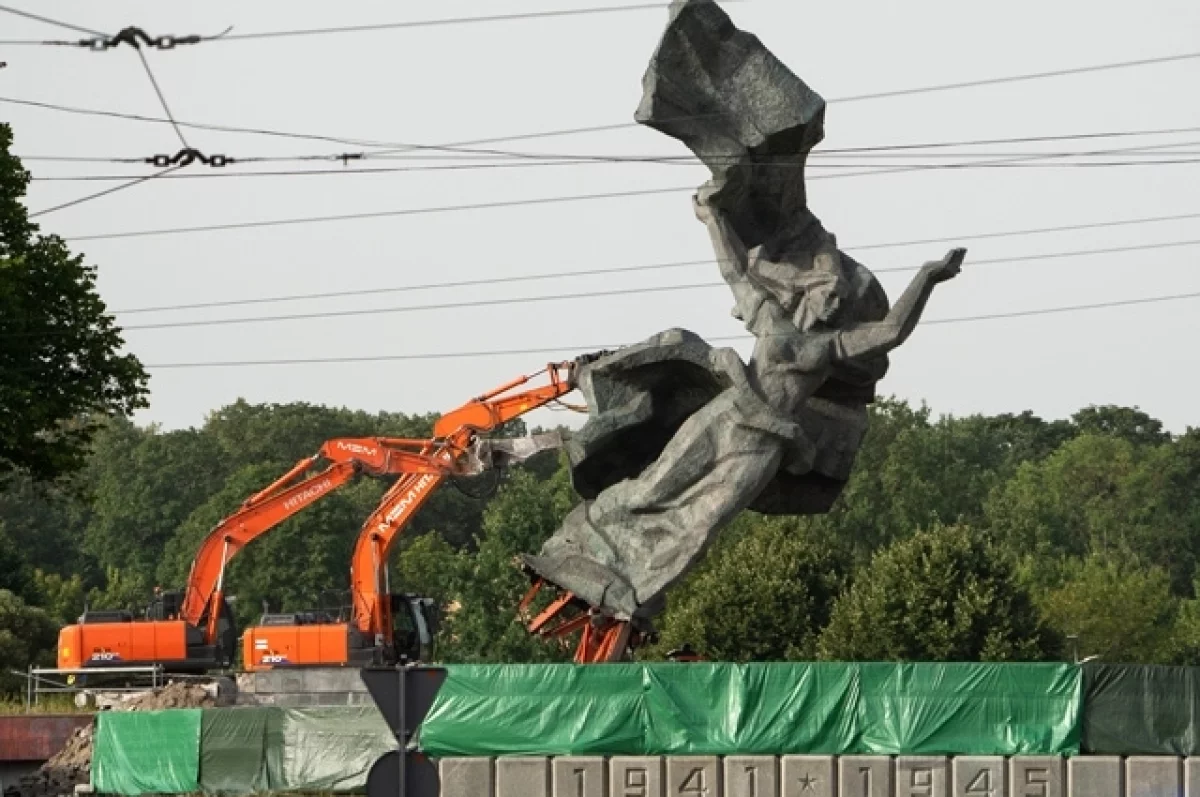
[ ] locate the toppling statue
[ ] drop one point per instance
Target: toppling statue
(682, 437)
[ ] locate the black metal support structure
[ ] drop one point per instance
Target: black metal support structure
(404, 696)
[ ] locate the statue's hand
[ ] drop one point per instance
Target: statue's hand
(702, 202)
(947, 268)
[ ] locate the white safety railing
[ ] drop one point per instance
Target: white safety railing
(48, 681)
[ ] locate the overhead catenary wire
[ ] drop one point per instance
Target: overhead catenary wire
(162, 99)
(104, 193)
(551, 200)
(446, 21)
(594, 347)
(651, 266)
(368, 27)
(47, 20)
(594, 294)
(886, 168)
(913, 150)
(611, 126)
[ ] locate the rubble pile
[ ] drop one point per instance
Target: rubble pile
(177, 694)
(72, 765)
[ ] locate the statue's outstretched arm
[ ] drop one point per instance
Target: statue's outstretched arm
(864, 341)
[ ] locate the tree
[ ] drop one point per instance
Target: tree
(1127, 423)
(1116, 609)
(941, 595)
(27, 637)
(62, 598)
(481, 623)
(61, 369)
(14, 570)
(764, 593)
(1103, 494)
(144, 484)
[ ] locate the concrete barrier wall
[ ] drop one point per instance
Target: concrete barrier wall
(822, 776)
(303, 687)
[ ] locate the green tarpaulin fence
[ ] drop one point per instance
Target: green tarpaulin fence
(233, 750)
(667, 709)
(151, 752)
(1141, 710)
(325, 749)
(722, 709)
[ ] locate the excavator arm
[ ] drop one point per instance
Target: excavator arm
(285, 497)
(455, 433)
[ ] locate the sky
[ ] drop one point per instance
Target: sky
(449, 84)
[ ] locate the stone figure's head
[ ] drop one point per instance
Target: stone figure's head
(826, 290)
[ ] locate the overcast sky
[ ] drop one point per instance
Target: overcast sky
(444, 84)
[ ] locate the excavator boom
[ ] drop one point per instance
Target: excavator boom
(370, 634)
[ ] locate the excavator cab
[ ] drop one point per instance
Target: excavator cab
(415, 624)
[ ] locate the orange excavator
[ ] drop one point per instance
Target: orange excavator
(194, 630)
(371, 634)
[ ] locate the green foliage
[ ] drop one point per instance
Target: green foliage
(61, 370)
(1127, 423)
(1115, 609)
(144, 484)
(481, 624)
(122, 590)
(27, 637)
(1105, 495)
(62, 598)
(14, 571)
(941, 595)
(977, 537)
(764, 593)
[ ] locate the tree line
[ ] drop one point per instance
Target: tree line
(957, 539)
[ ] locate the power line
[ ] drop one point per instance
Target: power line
(48, 21)
(106, 192)
(428, 23)
(423, 210)
(885, 168)
(593, 347)
(1079, 70)
(243, 225)
(605, 127)
(371, 27)
(589, 295)
(653, 267)
(162, 98)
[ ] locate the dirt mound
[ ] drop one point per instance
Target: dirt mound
(73, 764)
(178, 694)
(70, 766)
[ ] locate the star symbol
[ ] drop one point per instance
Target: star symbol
(806, 782)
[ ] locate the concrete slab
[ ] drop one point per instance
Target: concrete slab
(1153, 776)
(1037, 776)
(808, 775)
(635, 776)
(1191, 777)
(579, 777)
(1094, 776)
(751, 776)
(865, 776)
(922, 776)
(466, 776)
(979, 776)
(693, 776)
(521, 777)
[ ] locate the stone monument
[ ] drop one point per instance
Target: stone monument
(681, 436)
